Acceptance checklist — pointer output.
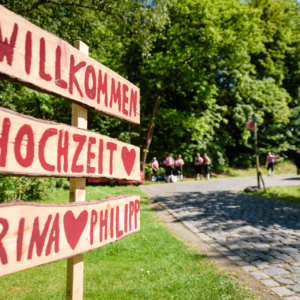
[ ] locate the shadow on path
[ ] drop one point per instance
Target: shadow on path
(250, 221)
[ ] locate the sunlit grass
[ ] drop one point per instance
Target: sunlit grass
(286, 167)
(151, 264)
(289, 194)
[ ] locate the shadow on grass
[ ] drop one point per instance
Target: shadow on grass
(279, 195)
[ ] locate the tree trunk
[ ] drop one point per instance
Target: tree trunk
(150, 133)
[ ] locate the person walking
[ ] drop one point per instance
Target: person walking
(198, 165)
(297, 160)
(206, 165)
(169, 162)
(270, 162)
(179, 166)
(154, 166)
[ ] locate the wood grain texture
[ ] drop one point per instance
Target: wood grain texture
(34, 147)
(75, 264)
(33, 234)
(40, 60)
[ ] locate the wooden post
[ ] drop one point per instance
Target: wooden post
(256, 151)
(77, 194)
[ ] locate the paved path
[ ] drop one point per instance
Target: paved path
(261, 235)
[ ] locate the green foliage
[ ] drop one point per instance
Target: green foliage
(28, 188)
(289, 194)
(243, 160)
(148, 171)
(203, 69)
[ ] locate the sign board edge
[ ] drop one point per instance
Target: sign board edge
(16, 202)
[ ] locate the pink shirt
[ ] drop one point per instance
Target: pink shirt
(271, 159)
(198, 160)
(206, 160)
(179, 162)
(154, 164)
(169, 161)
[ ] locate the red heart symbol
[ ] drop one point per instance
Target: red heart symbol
(74, 227)
(128, 158)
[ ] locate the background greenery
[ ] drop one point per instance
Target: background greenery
(203, 67)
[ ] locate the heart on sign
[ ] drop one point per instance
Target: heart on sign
(128, 158)
(74, 227)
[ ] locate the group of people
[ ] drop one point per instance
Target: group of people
(175, 167)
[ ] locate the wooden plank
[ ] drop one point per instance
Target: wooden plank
(40, 60)
(34, 147)
(33, 234)
(74, 286)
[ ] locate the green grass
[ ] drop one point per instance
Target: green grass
(289, 194)
(151, 264)
(286, 167)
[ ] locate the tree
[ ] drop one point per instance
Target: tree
(203, 41)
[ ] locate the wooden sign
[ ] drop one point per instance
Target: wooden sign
(42, 61)
(33, 234)
(34, 147)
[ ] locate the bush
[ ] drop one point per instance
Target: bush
(148, 171)
(26, 188)
(61, 182)
(244, 161)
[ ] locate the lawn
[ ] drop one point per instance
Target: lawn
(286, 167)
(151, 264)
(289, 194)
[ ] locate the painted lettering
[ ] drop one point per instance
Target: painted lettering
(102, 87)
(37, 238)
(90, 92)
(7, 49)
(111, 223)
(81, 139)
(103, 223)
(125, 99)
(133, 102)
(42, 145)
(119, 232)
(20, 238)
(27, 161)
(112, 147)
(136, 211)
(42, 72)
(28, 52)
(126, 218)
(58, 81)
(100, 157)
(90, 155)
(72, 75)
(62, 150)
(74, 226)
(4, 141)
(53, 236)
(115, 95)
(94, 218)
(3, 255)
(131, 211)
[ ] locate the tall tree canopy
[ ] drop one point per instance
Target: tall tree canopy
(204, 68)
